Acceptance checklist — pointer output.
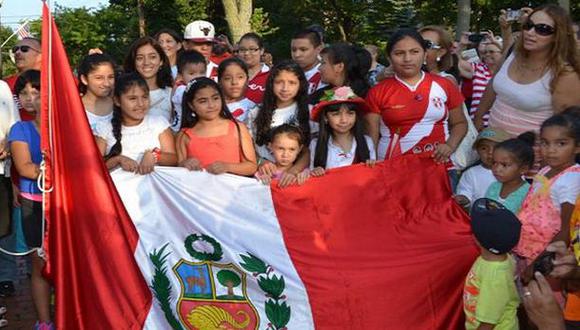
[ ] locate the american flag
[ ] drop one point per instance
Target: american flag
(24, 31)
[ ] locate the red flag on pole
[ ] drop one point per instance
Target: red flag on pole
(87, 223)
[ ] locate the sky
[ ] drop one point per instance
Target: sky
(14, 11)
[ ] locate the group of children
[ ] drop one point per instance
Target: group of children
(141, 118)
(497, 192)
(214, 126)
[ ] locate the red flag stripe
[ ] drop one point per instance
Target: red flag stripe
(378, 255)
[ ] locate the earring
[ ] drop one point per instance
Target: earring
(438, 58)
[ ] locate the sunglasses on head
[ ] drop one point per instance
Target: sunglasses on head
(431, 45)
(23, 48)
(541, 29)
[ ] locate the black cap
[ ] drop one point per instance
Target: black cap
(496, 228)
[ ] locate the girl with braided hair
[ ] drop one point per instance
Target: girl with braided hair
(133, 139)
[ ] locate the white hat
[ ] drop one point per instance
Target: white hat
(199, 31)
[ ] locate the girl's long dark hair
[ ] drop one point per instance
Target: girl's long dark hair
(122, 84)
(188, 120)
(263, 121)
(164, 78)
(362, 152)
(357, 63)
(89, 64)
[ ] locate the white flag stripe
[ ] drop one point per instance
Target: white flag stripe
(172, 203)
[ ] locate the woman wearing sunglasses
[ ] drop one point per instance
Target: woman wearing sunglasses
(438, 59)
(541, 76)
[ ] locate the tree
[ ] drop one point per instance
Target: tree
(229, 279)
(463, 17)
(238, 15)
(8, 66)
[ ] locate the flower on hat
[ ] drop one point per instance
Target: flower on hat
(338, 94)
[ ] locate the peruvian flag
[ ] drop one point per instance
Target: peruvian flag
(359, 248)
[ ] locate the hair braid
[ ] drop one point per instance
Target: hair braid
(116, 122)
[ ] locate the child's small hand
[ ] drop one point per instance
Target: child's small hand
(147, 163)
(371, 162)
(461, 200)
(442, 153)
(267, 168)
(317, 171)
(217, 168)
(286, 179)
(302, 177)
(191, 164)
(264, 179)
(128, 164)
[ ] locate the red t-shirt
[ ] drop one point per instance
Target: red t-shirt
(24, 116)
(417, 113)
(257, 86)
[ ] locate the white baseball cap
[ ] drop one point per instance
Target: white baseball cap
(199, 31)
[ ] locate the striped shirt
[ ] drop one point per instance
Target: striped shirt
(481, 77)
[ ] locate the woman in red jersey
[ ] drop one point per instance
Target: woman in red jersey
(422, 111)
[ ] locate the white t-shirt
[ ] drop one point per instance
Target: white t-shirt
(94, 120)
(474, 183)
(240, 109)
(8, 116)
(160, 103)
(287, 115)
(336, 157)
(565, 189)
(135, 139)
(177, 100)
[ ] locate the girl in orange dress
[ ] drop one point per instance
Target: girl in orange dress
(211, 138)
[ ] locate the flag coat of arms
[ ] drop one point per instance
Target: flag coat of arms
(359, 248)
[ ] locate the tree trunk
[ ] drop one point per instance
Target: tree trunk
(565, 4)
(463, 17)
(141, 13)
(238, 14)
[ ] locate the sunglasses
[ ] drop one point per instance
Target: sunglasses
(23, 49)
(541, 29)
(431, 45)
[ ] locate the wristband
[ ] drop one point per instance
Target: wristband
(156, 154)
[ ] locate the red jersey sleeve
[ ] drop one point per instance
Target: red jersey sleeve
(373, 99)
(454, 96)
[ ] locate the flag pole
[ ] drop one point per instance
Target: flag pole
(15, 32)
(46, 154)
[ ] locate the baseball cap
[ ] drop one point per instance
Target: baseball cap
(493, 134)
(496, 228)
(337, 95)
(199, 31)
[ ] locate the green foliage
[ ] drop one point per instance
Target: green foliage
(277, 311)
(274, 286)
(253, 264)
(260, 23)
(225, 276)
(79, 31)
(278, 314)
(162, 286)
(216, 255)
(8, 67)
(113, 27)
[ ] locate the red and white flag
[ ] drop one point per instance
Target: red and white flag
(23, 30)
(359, 248)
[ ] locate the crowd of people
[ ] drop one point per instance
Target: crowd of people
(502, 114)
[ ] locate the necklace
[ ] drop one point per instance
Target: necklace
(525, 67)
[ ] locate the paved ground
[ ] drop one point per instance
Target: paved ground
(21, 314)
